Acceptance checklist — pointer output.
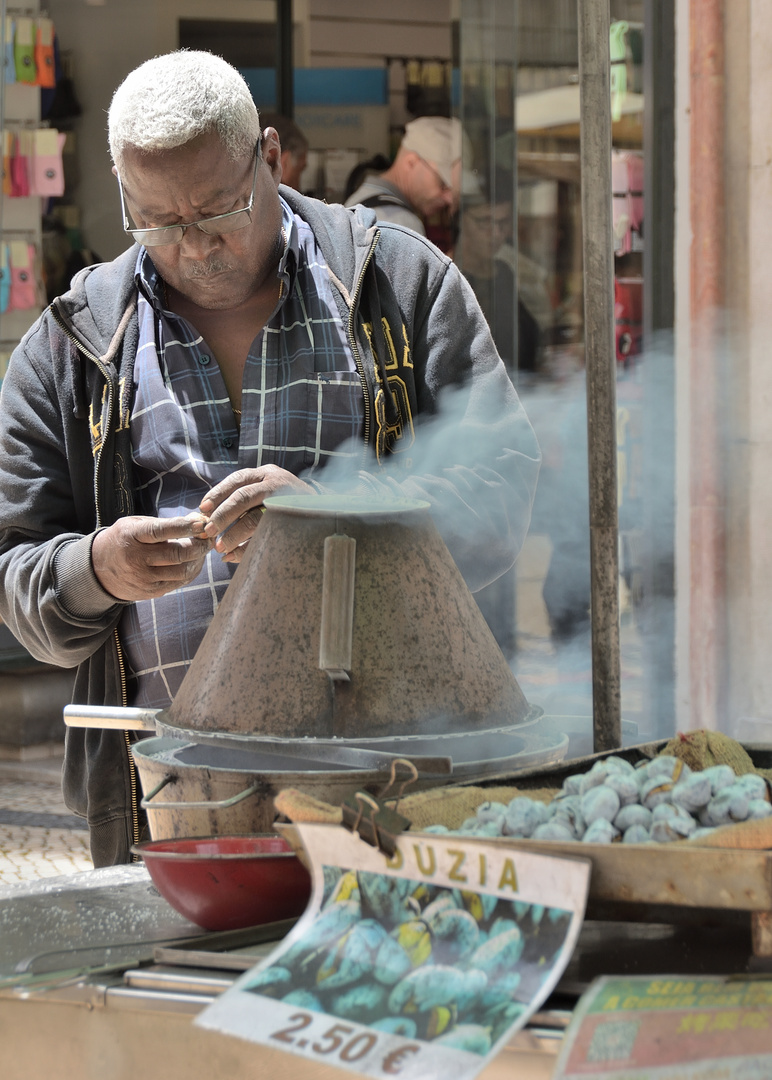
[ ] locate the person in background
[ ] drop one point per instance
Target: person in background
(484, 251)
(250, 341)
(424, 178)
(378, 163)
(294, 147)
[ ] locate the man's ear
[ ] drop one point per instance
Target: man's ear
(272, 152)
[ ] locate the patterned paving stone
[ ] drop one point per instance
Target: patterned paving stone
(37, 837)
(26, 795)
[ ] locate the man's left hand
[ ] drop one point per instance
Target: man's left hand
(235, 506)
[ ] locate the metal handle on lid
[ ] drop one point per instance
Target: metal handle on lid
(106, 716)
(336, 634)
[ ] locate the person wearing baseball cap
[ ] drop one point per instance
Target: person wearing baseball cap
(425, 177)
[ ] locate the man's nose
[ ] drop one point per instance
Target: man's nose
(197, 244)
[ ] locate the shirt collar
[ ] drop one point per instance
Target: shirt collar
(288, 263)
(150, 282)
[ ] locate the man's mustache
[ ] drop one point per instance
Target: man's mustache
(202, 270)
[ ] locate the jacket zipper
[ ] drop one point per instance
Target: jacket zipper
(133, 786)
(121, 664)
(355, 347)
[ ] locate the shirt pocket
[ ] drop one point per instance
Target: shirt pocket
(336, 412)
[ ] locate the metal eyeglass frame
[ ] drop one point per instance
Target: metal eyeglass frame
(223, 224)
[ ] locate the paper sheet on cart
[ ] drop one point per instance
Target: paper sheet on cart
(712, 1028)
(419, 965)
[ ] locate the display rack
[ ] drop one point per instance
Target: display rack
(20, 217)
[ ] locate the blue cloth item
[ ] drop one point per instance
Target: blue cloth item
(9, 56)
(5, 277)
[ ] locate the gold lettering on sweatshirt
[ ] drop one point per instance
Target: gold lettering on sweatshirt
(95, 426)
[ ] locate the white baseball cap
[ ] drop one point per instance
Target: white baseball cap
(438, 140)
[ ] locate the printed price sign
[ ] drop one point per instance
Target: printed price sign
(713, 1028)
(418, 965)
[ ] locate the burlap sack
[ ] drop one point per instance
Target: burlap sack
(701, 749)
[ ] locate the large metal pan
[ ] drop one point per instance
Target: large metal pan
(192, 789)
(198, 789)
(340, 753)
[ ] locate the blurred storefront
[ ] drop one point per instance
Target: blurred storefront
(689, 213)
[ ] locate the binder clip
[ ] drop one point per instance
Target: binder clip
(372, 818)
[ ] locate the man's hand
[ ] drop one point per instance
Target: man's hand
(235, 506)
(140, 558)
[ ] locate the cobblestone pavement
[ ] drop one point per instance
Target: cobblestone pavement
(39, 837)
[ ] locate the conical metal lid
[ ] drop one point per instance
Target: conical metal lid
(349, 619)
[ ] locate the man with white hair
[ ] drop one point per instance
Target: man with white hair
(423, 179)
(245, 344)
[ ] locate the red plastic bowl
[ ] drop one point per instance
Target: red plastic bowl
(227, 882)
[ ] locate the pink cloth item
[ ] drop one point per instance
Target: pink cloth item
(636, 212)
(627, 191)
(621, 224)
(23, 294)
(635, 170)
(47, 173)
(19, 167)
(620, 181)
(635, 173)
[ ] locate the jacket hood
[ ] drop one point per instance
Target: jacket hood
(345, 234)
(97, 301)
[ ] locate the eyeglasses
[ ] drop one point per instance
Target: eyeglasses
(217, 225)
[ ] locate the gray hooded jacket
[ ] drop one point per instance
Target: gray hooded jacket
(417, 334)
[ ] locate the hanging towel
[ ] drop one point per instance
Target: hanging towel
(44, 53)
(635, 171)
(618, 73)
(5, 277)
(47, 172)
(23, 294)
(7, 159)
(24, 51)
(20, 165)
(9, 62)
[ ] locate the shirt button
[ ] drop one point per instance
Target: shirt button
(227, 443)
(204, 359)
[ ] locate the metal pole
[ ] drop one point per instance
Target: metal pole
(285, 98)
(657, 611)
(600, 361)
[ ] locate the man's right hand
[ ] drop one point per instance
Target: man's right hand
(140, 558)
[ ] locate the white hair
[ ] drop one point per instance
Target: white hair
(171, 99)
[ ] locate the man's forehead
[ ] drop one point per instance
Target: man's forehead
(158, 193)
(202, 162)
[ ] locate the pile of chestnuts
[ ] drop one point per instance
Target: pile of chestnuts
(660, 800)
